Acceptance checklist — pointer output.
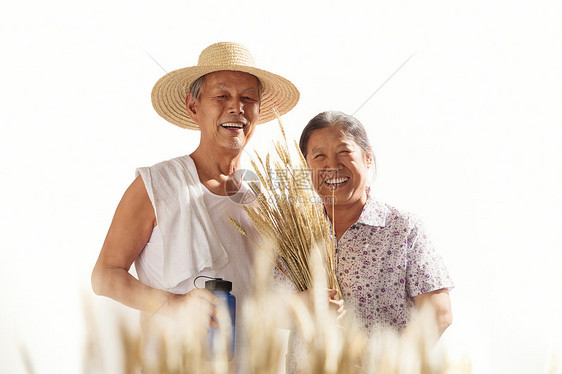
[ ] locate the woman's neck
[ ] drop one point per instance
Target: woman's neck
(344, 215)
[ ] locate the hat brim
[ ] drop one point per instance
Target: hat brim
(279, 95)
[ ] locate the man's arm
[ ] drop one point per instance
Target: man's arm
(441, 304)
(128, 234)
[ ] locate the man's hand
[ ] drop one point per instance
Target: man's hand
(198, 304)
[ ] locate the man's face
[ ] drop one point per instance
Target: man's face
(228, 108)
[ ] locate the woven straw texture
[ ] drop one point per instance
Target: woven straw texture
(168, 95)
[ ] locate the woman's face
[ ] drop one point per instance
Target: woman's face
(339, 166)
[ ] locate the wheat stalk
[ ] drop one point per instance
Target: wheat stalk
(287, 214)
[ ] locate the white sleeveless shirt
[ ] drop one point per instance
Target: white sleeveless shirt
(238, 270)
(193, 236)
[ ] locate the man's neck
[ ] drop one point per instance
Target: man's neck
(215, 166)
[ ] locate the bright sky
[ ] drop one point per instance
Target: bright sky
(467, 135)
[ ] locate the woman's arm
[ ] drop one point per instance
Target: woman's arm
(440, 301)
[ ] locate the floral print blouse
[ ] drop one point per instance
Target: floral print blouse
(383, 261)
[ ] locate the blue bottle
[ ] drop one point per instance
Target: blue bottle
(221, 289)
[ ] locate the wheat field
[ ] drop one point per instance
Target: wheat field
(329, 346)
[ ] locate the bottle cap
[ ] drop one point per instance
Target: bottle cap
(218, 285)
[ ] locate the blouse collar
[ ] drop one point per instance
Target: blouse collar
(374, 212)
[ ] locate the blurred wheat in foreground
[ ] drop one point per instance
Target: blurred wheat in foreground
(327, 346)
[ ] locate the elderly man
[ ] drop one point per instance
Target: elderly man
(171, 221)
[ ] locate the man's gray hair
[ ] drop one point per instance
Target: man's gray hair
(197, 86)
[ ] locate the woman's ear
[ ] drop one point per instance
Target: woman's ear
(370, 158)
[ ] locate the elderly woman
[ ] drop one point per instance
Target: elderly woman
(385, 262)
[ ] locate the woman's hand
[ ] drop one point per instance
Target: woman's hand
(338, 306)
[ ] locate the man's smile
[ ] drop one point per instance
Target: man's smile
(233, 125)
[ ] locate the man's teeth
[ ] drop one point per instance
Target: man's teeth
(230, 125)
(337, 180)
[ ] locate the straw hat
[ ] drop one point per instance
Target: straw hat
(169, 93)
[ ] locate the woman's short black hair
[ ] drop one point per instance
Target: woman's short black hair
(348, 124)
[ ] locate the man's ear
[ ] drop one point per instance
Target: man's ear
(192, 106)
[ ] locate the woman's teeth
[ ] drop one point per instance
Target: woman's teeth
(335, 181)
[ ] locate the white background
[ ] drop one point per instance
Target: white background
(467, 135)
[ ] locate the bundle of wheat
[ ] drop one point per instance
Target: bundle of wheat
(287, 214)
